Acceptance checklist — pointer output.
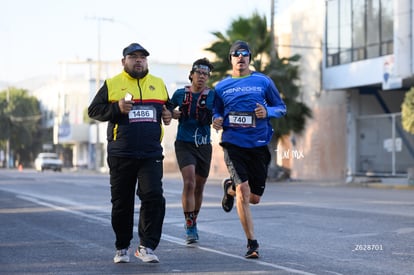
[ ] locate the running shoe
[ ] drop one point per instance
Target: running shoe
(192, 234)
(146, 255)
(252, 249)
(228, 200)
(121, 256)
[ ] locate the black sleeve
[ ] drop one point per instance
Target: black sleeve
(101, 109)
(169, 104)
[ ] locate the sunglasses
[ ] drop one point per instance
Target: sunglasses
(238, 53)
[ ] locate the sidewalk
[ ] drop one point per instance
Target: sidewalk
(365, 182)
(382, 182)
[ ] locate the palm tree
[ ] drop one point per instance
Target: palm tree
(283, 71)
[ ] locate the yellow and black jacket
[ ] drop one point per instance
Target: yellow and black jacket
(132, 135)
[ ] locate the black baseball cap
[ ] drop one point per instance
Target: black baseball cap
(134, 47)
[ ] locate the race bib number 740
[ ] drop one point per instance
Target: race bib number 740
(242, 119)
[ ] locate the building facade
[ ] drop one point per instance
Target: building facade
(357, 64)
(370, 45)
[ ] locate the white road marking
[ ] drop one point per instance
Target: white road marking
(169, 238)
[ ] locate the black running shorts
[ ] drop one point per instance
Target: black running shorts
(189, 154)
(248, 164)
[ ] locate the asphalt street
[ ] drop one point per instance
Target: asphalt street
(59, 223)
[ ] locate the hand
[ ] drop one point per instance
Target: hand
(125, 105)
(260, 111)
(166, 115)
(176, 114)
(218, 123)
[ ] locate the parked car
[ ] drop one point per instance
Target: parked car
(48, 161)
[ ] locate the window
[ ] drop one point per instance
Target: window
(358, 30)
(332, 47)
(373, 30)
(387, 28)
(345, 31)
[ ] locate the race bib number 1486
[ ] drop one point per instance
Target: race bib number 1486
(141, 113)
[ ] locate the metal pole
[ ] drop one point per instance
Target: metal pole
(98, 69)
(393, 143)
(272, 29)
(98, 148)
(8, 138)
(98, 83)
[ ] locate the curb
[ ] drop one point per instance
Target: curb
(382, 186)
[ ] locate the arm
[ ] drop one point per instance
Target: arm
(101, 109)
(176, 114)
(167, 110)
(170, 102)
(218, 112)
(276, 107)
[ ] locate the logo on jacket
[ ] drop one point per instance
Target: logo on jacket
(152, 88)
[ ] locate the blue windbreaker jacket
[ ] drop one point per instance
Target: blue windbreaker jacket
(236, 98)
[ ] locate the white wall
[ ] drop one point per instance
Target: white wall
(320, 152)
(361, 73)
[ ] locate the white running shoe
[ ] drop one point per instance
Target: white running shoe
(121, 256)
(146, 255)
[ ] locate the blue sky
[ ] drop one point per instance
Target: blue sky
(37, 34)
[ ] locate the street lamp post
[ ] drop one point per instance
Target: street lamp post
(8, 138)
(98, 149)
(99, 20)
(272, 28)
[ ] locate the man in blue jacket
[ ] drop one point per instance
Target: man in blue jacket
(245, 102)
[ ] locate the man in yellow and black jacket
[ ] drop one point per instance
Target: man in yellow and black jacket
(135, 104)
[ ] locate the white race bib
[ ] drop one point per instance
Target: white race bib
(242, 119)
(141, 113)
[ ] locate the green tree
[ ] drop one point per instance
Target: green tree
(407, 112)
(283, 71)
(20, 124)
